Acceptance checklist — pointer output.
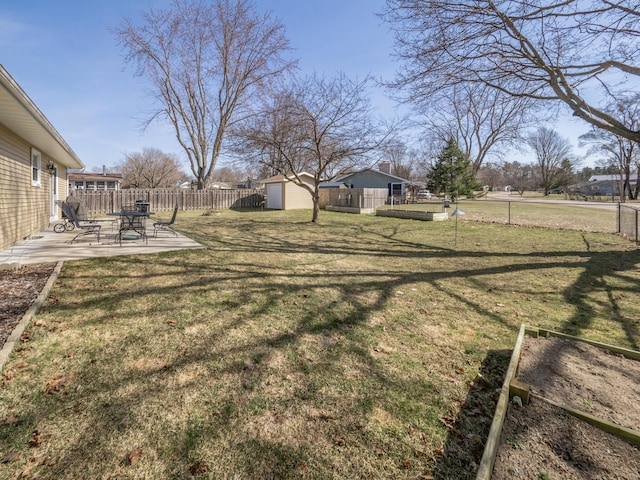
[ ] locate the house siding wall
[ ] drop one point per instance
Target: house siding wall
(368, 180)
(296, 197)
(24, 209)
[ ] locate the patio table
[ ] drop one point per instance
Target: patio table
(132, 221)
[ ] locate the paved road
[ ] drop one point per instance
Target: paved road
(509, 197)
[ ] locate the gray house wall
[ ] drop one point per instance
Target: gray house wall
(371, 179)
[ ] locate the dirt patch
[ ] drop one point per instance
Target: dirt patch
(541, 441)
(19, 288)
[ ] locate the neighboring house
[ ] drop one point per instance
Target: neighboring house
(221, 185)
(616, 177)
(597, 188)
(94, 181)
(370, 178)
(34, 159)
(601, 186)
(284, 194)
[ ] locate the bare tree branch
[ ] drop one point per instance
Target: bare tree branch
(151, 168)
(483, 121)
(580, 52)
(553, 156)
(321, 126)
(205, 60)
(621, 152)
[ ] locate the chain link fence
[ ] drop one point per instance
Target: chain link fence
(628, 221)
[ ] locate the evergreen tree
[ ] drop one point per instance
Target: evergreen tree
(452, 174)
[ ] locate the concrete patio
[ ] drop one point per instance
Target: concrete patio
(48, 246)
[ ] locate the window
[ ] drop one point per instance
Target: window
(79, 184)
(91, 185)
(100, 185)
(36, 167)
(111, 185)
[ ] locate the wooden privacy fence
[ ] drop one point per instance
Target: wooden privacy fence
(353, 197)
(101, 202)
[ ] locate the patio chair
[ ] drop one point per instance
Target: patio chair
(84, 228)
(81, 212)
(160, 225)
(78, 207)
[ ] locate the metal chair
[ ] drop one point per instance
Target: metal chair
(86, 228)
(81, 212)
(160, 225)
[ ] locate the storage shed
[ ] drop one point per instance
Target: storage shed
(284, 194)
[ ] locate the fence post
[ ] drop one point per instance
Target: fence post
(509, 215)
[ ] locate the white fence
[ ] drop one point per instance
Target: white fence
(363, 198)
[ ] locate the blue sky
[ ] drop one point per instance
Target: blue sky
(66, 59)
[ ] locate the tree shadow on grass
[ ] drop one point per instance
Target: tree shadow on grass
(464, 447)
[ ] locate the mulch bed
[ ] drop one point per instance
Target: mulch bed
(19, 288)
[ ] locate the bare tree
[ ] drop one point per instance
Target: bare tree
(485, 122)
(399, 155)
(519, 176)
(230, 174)
(549, 50)
(619, 151)
(491, 175)
(322, 126)
(204, 60)
(151, 168)
(553, 156)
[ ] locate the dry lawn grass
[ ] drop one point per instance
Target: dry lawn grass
(537, 212)
(361, 347)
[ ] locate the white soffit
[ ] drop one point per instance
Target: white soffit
(20, 115)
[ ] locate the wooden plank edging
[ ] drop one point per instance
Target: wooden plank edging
(602, 424)
(491, 447)
(632, 354)
(493, 440)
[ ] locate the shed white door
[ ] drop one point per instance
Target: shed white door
(274, 196)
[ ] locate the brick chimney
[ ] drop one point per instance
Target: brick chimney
(385, 167)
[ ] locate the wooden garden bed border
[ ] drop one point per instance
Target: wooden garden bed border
(493, 440)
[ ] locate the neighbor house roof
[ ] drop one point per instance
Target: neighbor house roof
(286, 178)
(600, 178)
(93, 176)
(372, 170)
(21, 115)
